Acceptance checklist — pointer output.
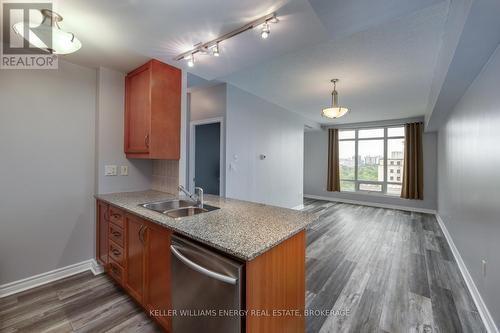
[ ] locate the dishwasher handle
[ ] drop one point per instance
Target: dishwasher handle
(202, 270)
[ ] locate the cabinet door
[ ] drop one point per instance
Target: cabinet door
(102, 233)
(157, 292)
(135, 257)
(137, 110)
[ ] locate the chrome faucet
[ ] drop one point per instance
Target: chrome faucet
(197, 196)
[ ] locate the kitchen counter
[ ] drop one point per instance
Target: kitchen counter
(240, 228)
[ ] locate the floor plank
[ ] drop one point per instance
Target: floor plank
(377, 270)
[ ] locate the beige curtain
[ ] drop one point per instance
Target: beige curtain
(333, 181)
(413, 173)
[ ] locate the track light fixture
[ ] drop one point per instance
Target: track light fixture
(190, 60)
(213, 48)
(265, 31)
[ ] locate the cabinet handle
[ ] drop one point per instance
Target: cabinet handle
(106, 216)
(115, 252)
(142, 230)
(116, 233)
(116, 216)
(115, 270)
(146, 140)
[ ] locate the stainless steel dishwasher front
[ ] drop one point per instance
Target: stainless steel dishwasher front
(207, 289)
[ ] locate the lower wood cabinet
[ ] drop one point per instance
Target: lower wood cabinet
(136, 254)
(102, 233)
(157, 296)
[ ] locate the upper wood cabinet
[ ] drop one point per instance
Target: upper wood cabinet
(153, 112)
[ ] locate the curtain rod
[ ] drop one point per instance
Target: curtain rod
(369, 124)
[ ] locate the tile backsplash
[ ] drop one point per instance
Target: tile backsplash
(166, 176)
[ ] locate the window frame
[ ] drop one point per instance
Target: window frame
(385, 138)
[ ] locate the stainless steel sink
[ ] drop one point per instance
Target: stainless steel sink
(163, 206)
(189, 211)
(178, 208)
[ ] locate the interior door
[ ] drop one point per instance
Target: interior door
(207, 157)
(138, 108)
(135, 257)
(102, 233)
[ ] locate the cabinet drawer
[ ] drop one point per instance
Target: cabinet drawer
(116, 234)
(115, 271)
(116, 216)
(116, 253)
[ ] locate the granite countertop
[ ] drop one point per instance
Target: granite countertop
(240, 228)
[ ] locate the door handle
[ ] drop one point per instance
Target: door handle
(202, 270)
(146, 140)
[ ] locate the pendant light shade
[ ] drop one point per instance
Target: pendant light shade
(62, 42)
(335, 111)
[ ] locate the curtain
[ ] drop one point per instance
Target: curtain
(333, 180)
(413, 173)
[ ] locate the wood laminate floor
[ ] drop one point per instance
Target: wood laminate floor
(377, 270)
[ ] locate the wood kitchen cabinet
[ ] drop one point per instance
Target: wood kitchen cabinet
(157, 296)
(135, 253)
(153, 112)
(102, 233)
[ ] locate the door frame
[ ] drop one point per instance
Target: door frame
(192, 152)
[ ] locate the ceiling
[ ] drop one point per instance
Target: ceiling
(383, 51)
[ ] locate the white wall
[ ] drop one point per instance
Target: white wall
(315, 173)
(110, 136)
(469, 182)
(47, 149)
(254, 127)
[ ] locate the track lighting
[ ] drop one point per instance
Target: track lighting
(212, 47)
(190, 60)
(265, 31)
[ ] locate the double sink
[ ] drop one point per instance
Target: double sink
(178, 208)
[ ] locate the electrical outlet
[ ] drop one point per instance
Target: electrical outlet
(124, 170)
(484, 262)
(110, 170)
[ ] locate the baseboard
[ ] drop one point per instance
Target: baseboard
(371, 204)
(476, 296)
(51, 276)
(298, 207)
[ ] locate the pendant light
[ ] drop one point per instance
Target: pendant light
(62, 42)
(335, 111)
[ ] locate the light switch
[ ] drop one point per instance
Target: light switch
(110, 170)
(124, 170)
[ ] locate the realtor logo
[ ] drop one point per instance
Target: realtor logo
(26, 42)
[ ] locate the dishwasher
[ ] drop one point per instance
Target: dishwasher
(207, 289)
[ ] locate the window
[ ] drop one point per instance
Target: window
(369, 158)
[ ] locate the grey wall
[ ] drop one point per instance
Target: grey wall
(204, 103)
(469, 182)
(208, 102)
(254, 127)
(109, 138)
(47, 149)
(315, 172)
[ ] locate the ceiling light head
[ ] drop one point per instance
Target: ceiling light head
(215, 50)
(190, 60)
(335, 111)
(265, 31)
(62, 42)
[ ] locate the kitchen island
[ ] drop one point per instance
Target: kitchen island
(133, 244)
